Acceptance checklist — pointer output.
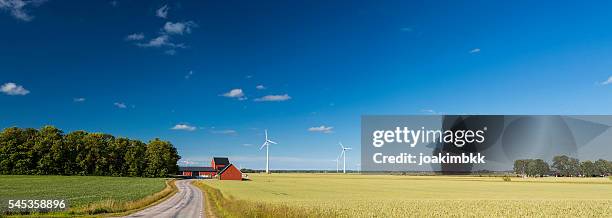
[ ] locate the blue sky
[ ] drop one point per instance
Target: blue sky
(167, 69)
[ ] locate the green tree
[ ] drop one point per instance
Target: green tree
(161, 159)
(588, 169)
(520, 167)
(602, 167)
(135, 160)
(10, 139)
(573, 166)
(49, 152)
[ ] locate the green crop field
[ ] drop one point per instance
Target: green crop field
(80, 191)
(400, 196)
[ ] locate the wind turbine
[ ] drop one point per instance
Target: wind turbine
(267, 145)
(343, 155)
(337, 160)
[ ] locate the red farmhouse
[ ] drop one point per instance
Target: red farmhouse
(221, 167)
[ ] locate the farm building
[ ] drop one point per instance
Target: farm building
(220, 167)
(230, 172)
(207, 172)
(219, 163)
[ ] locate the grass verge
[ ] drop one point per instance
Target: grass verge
(111, 207)
(115, 208)
(222, 206)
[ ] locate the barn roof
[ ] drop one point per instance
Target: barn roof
(225, 168)
(200, 169)
(221, 160)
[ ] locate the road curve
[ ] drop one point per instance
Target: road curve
(187, 202)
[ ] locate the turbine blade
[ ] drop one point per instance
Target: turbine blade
(262, 146)
(272, 142)
(347, 148)
(266, 131)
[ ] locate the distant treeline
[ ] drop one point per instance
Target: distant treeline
(563, 166)
(49, 151)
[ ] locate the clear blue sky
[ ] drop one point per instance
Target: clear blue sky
(123, 67)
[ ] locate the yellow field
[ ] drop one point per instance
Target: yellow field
(400, 196)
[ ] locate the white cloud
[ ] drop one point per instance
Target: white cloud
(162, 12)
(247, 145)
(161, 41)
(476, 50)
(189, 74)
(114, 3)
(135, 37)
(323, 129)
(235, 93)
(17, 8)
(183, 127)
(225, 132)
(79, 99)
(13, 89)
(179, 27)
(284, 97)
(260, 87)
(607, 82)
(120, 105)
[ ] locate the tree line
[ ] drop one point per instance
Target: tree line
(48, 151)
(563, 166)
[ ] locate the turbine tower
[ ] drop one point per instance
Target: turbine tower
(267, 143)
(343, 155)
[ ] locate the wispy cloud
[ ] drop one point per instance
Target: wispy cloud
(162, 12)
(235, 93)
(114, 3)
(284, 97)
(79, 99)
(247, 145)
(189, 74)
(13, 89)
(260, 87)
(17, 8)
(607, 82)
(170, 51)
(323, 129)
(429, 111)
(135, 37)
(183, 127)
(225, 132)
(120, 105)
(179, 28)
(475, 50)
(406, 29)
(161, 41)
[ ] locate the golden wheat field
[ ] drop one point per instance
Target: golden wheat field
(401, 196)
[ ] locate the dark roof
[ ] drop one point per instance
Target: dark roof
(200, 169)
(221, 160)
(224, 168)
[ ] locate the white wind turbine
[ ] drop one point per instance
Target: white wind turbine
(343, 155)
(267, 145)
(337, 160)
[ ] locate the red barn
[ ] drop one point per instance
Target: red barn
(219, 163)
(230, 172)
